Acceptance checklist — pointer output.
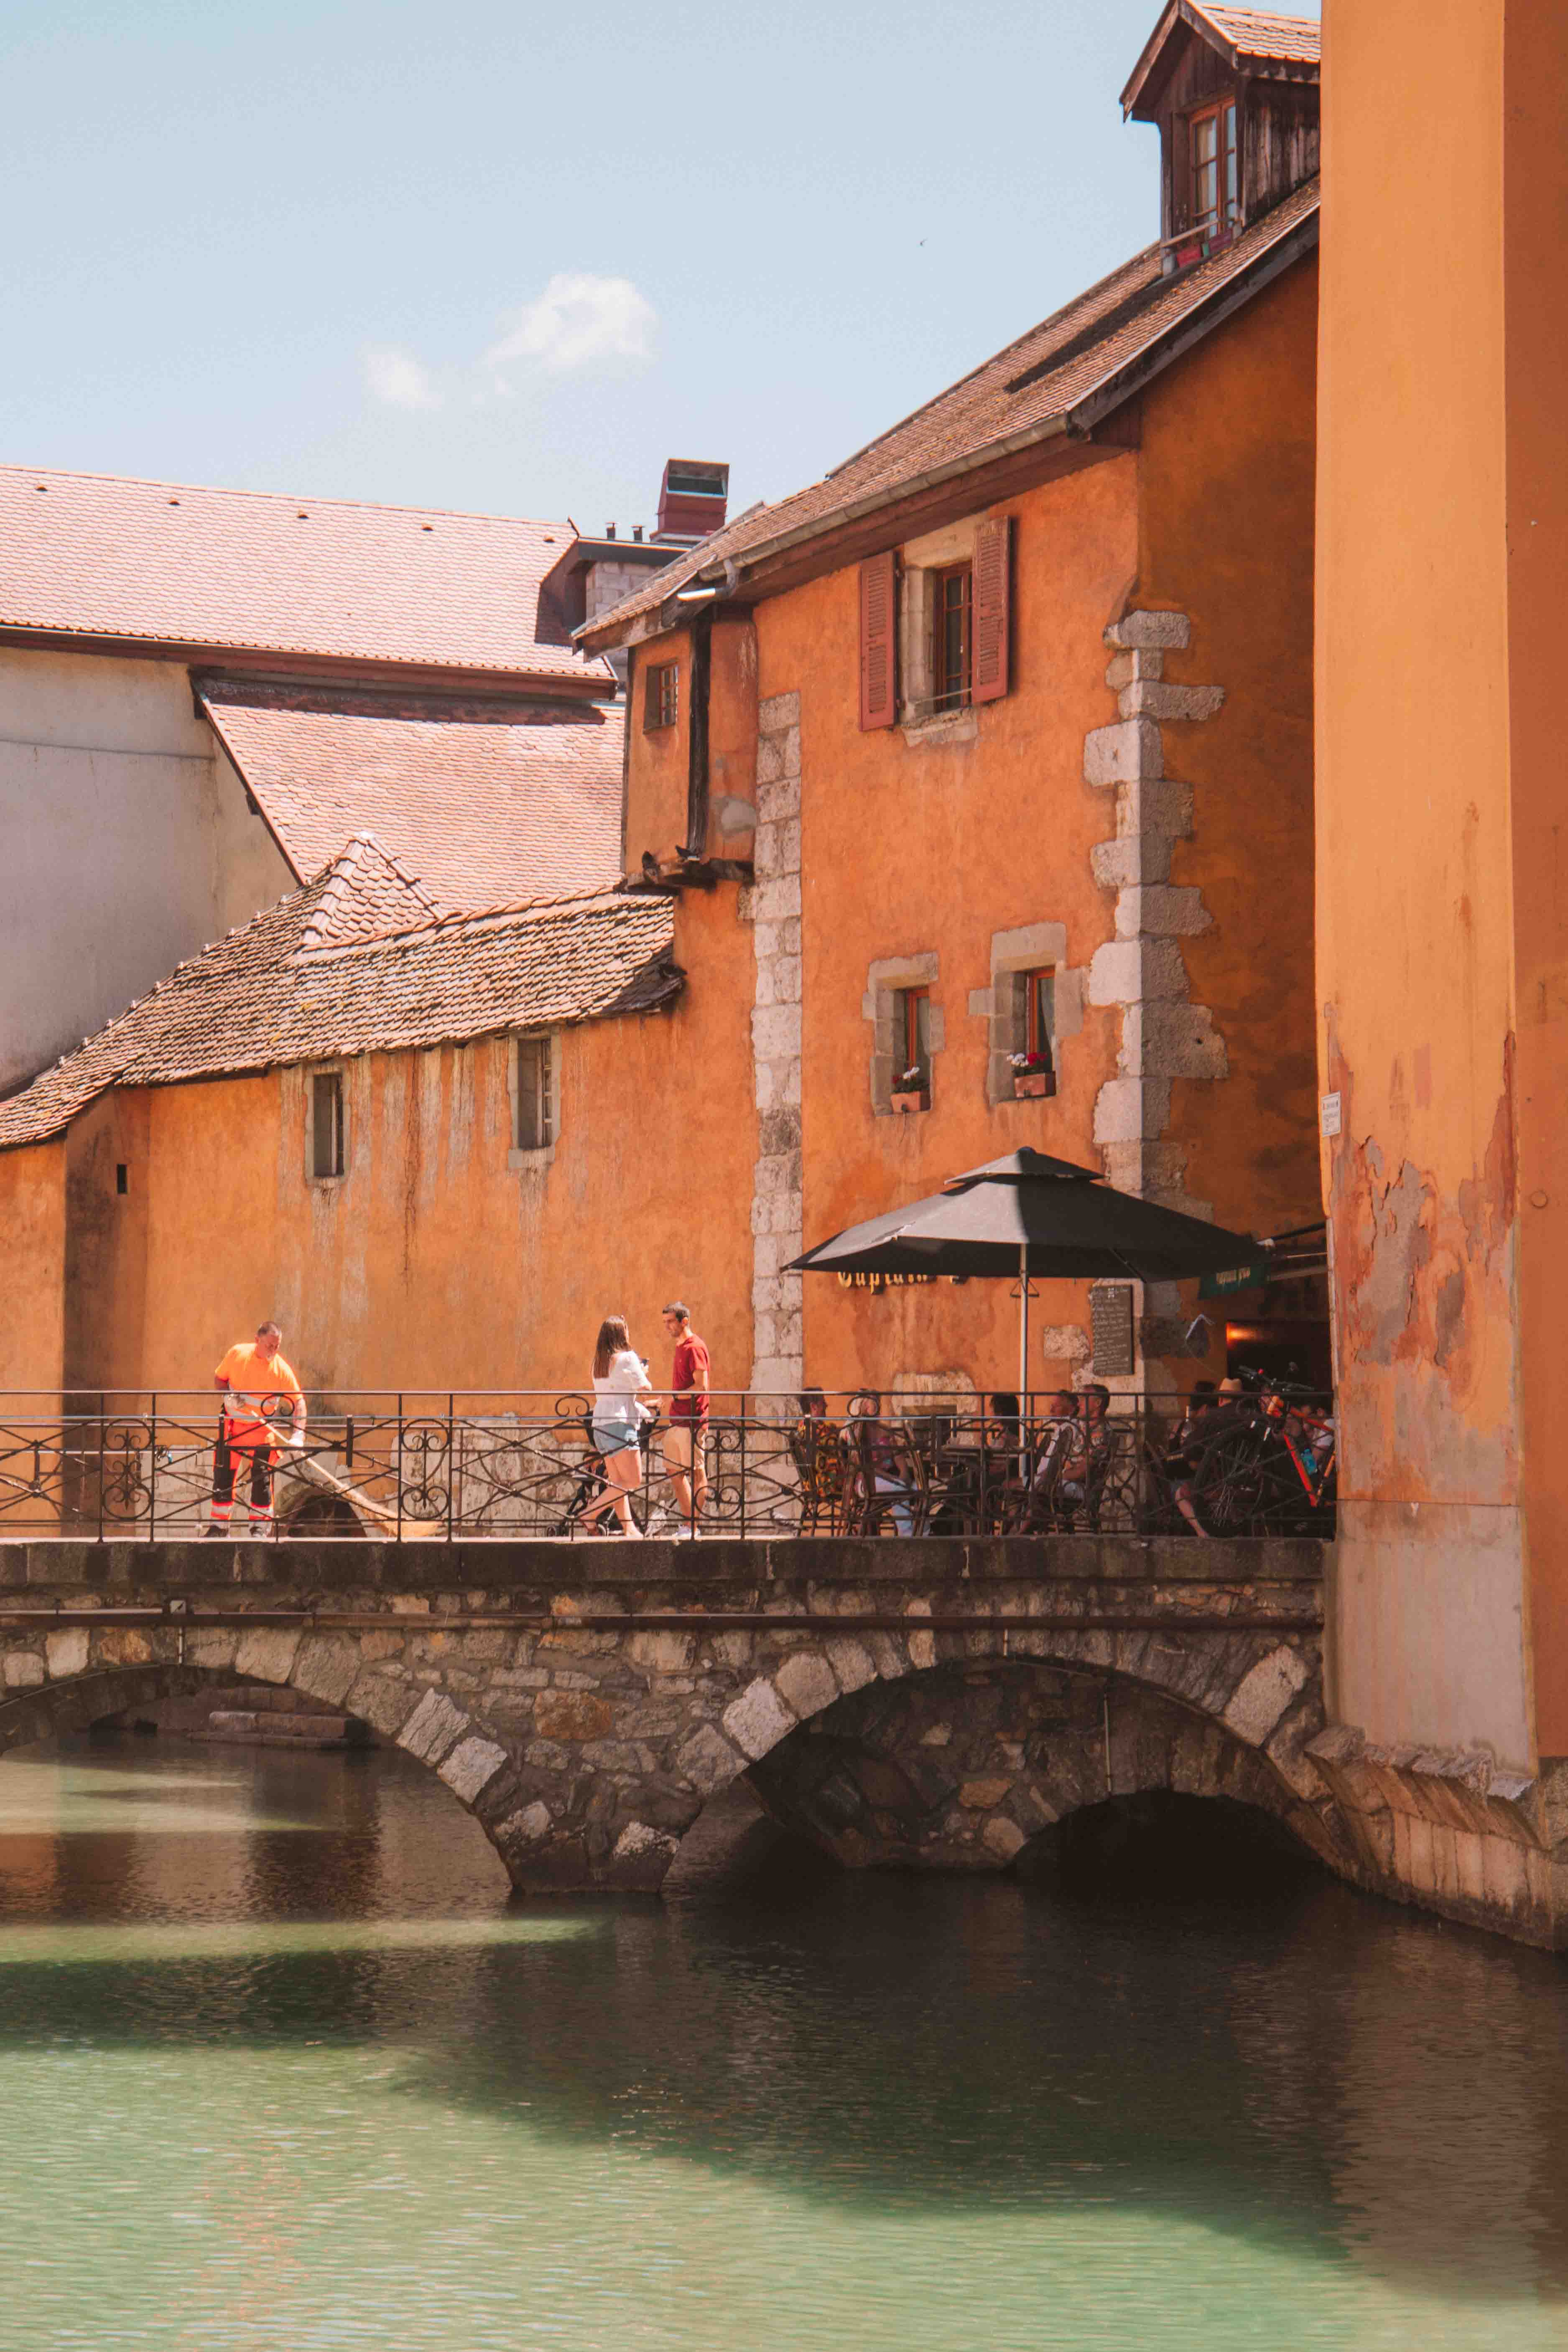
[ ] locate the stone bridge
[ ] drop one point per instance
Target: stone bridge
(928, 1702)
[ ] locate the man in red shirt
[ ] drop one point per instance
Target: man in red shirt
(685, 1439)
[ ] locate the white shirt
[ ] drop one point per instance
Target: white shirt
(623, 1378)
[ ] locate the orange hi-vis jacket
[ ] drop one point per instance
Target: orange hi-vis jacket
(255, 1384)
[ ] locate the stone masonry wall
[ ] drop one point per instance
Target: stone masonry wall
(773, 908)
(1164, 1035)
(585, 1719)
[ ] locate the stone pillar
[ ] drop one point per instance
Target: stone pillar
(774, 911)
(1164, 1035)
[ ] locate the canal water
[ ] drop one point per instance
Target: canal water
(285, 2068)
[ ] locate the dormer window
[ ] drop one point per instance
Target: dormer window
(1212, 147)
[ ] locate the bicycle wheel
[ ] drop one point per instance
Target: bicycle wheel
(1231, 1482)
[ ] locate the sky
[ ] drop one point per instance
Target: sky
(505, 258)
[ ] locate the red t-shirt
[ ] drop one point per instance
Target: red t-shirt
(691, 1366)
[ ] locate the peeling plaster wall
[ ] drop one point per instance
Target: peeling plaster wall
(1442, 922)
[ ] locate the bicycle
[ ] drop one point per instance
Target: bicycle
(1269, 1468)
(592, 1482)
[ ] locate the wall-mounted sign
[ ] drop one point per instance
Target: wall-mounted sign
(1249, 1276)
(1110, 1323)
(1329, 1114)
(883, 1281)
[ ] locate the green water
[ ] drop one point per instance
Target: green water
(283, 2067)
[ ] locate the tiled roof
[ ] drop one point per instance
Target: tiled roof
(482, 803)
(302, 982)
(1253, 33)
(1027, 390)
(95, 556)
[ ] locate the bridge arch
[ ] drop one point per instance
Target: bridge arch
(960, 1767)
(586, 1729)
(71, 1678)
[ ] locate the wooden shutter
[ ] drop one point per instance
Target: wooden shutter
(878, 669)
(992, 611)
(652, 687)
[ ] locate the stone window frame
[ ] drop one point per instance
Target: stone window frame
(537, 1156)
(922, 562)
(884, 979)
(315, 1070)
(1034, 947)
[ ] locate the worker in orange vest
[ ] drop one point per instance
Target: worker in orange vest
(257, 1383)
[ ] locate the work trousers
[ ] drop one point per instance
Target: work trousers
(226, 1459)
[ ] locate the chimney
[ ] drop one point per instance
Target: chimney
(691, 501)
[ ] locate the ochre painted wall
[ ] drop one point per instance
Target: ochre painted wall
(657, 771)
(106, 1246)
(432, 1263)
(914, 847)
(31, 1294)
(905, 850)
(1442, 922)
(1226, 488)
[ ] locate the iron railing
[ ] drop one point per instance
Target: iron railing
(118, 1467)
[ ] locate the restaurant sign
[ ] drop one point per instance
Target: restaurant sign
(1250, 1276)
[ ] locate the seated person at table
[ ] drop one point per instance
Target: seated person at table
(1181, 1460)
(885, 1455)
(1090, 1439)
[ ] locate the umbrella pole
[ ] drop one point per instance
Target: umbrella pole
(1023, 1327)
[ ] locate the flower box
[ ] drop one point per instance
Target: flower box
(1028, 1084)
(912, 1099)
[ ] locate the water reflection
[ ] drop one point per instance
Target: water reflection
(310, 2079)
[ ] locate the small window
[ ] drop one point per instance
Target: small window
(122, 1177)
(951, 602)
(326, 1124)
(912, 1031)
(661, 696)
(1039, 990)
(1214, 164)
(535, 1102)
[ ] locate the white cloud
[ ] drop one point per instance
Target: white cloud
(578, 321)
(399, 378)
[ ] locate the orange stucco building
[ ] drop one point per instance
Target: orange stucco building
(994, 743)
(1443, 926)
(430, 1148)
(999, 738)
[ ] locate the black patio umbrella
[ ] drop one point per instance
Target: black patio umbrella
(1026, 1214)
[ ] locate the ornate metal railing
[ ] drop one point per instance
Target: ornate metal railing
(140, 1466)
(419, 1466)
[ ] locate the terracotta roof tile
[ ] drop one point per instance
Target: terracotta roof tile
(1033, 385)
(1253, 33)
(295, 984)
(94, 555)
(480, 802)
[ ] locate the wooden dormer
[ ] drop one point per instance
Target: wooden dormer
(1234, 93)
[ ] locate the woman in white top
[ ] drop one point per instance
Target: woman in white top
(620, 1382)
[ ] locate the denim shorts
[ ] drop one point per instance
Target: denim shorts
(615, 1437)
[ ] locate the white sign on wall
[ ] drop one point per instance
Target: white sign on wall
(1328, 1115)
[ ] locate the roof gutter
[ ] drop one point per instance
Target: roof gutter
(726, 575)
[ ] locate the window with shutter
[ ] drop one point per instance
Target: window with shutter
(878, 668)
(326, 1124)
(535, 1096)
(992, 618)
